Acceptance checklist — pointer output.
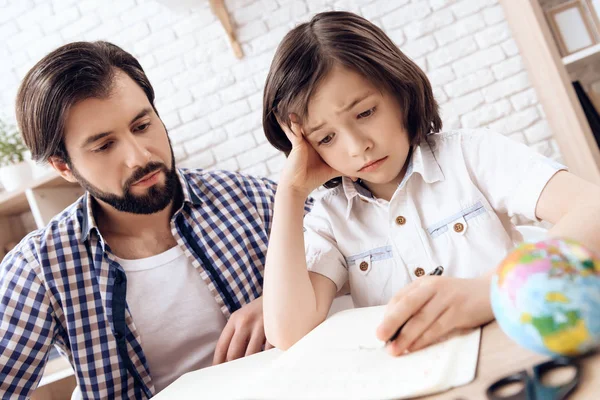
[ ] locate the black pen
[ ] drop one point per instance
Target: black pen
(437, 271)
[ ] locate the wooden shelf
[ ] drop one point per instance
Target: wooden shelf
(56, 370)
(14, 203)
(57, 383)
(549, 76)
(581, 55)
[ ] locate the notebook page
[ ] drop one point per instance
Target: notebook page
(342, 359)
(229, 381)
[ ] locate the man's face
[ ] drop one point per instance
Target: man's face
(119, 150)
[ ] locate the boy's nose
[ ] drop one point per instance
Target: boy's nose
(359, 144)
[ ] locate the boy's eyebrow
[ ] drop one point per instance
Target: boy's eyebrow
(344, 109)
(99, 136)
(309, 131)
(355, 101)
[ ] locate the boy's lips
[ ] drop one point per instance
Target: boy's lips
(372, 165)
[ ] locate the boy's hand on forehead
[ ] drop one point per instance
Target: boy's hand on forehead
(304, 170)
(434, 308)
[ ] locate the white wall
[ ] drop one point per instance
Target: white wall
(211, 101)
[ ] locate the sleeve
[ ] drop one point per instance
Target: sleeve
(26, 327)
(511, 175)
(322, 253)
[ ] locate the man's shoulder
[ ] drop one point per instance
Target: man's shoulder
(60, 232)
(221, 181)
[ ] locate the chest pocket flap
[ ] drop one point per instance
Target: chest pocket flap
(457, 223)
(364, 261)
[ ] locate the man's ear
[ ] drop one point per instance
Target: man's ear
(62, 168)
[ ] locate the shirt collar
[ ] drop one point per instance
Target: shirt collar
(422, 161)
(89, 220)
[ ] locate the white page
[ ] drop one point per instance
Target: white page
(342, 359)
(226, 381)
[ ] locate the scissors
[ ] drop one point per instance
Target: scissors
(533, 388)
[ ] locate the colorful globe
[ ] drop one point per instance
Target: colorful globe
(546, 297)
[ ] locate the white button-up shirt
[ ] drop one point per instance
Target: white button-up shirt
(452, 208)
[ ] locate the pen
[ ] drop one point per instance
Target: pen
(437, 271)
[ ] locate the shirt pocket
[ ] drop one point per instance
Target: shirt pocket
(368, 273)
(460, 223)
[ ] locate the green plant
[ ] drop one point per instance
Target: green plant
(12, 148)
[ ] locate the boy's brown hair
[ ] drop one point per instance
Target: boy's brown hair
(308, 52)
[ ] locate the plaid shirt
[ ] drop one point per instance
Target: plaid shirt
(61, 285)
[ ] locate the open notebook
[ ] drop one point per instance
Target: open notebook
(340, 359)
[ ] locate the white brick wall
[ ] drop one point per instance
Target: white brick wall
(211, 102)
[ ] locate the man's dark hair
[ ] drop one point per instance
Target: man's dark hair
(68, 75)
(309, 51)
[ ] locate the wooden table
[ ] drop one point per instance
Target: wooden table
(498, 357)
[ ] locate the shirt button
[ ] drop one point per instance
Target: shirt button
(419, 272)
(400, 220)
(459, 227)
(364, 266)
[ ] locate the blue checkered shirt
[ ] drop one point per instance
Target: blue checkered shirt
(62, 286)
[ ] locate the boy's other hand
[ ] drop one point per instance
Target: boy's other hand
(435, 307)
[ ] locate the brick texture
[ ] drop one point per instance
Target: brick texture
(211, 102)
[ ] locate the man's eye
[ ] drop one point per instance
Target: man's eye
(104, 147)
(142, 128)
(367, 113)
(326, 139)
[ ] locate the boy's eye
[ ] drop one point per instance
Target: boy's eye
(326, 139)
(367, 113)
(142, 128)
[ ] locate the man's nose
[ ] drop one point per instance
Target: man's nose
(137, 154)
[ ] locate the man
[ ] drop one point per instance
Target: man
(154, 269)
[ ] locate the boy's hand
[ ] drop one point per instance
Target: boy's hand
(435, 307)
(304, 169)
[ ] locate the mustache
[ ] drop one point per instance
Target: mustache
(141, 172)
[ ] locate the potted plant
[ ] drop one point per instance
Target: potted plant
(15, 171)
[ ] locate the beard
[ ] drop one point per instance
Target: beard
(154, 200)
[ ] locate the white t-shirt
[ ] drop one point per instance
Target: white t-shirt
(453, 209)
(177, 317)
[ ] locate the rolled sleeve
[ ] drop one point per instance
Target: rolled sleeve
(530, 188)
(322, 254)
(510, 174)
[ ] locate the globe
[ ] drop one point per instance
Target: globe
(546, 297)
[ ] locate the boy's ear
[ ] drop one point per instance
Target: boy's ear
(62, 168)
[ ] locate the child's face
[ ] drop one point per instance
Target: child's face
(357, 129)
